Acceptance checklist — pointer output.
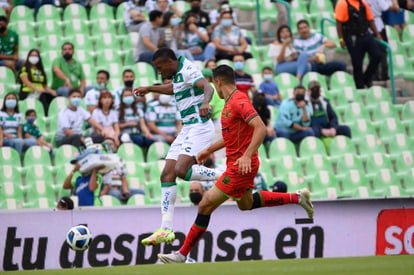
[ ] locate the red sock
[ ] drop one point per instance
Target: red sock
(275, 198)
(192, 238)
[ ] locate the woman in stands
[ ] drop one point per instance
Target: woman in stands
(34, 80)
(285, 58)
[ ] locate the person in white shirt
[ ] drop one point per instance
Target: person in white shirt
(92, 96)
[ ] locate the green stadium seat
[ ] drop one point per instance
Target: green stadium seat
(385, 183)
(41, 203)
(109, 201)
(101, 10)
(107, 41)
(310, 146)
(402, 67)
(225, 62)
(51, 42)
(262, 152)
(107, 56)
(360, 128)
(389, 128)
(286, 163)
(396, 47)
(339, 146)
(252, 66)
(310, 76)
(35, 155)
(182, 6)
(324, 185)
(57, 104)
(408, 182)
(11, 183)
(61, 173)
(49, 27)
(407, 36)
(404, 162)
(26, 43)
(7, 81)
(374, 95)
(363, 192)
(353, 179)
(156, 151)
(183, 190)
(102, 26)
(407, 113)
(266, 169)
(384, 110)
(21, 13)
(368, 145)
(153, 185)
(23, 27)
(348, 162)
(294, 179)
(75, 11)
(131, 152)
(143, 69)
(137, 200)
(286, 82)
(11, 203)
(90, 73)
(39, 183)
(340, 80)
(9, 156)
(320, 8)
(85, 56)
(355, 111)
(398, 143)
(64, 154)
(47, 59)
(392, 33)
(343, 97)
(135, 170)
(32, 103)
(376, 161)
(48, 12)
(76, 26)
(267, 10)
(317, 163)
(81, 42)
(281, 147)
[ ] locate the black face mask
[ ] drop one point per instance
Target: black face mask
(195, 9)
(67, 56)
(3, 29)
(195, 197)
(299, 97)
(315, 93)
(129, 83)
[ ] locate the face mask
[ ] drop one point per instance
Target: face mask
(238, 66)
(101, 86)
(164, 99)
(175, 21)
(129, 83)
(2, 29)
(33, 60)
(299, 97)
(268, 77)
(11, 103)
(195, 9)
(315, 94)
(31, 120)
(226, 22)
(195, 197)
(128, 100)
(282, 40)
(67, 56)
(75, 101)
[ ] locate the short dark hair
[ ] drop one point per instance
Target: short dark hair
(3, 19)
(74, 90)
(128, 71)
(153, 15)
(224, 73)
(279, 30)
(164, 54)
(267, 68)
(29, 112)
(66, 203)
(301, 22)
(68, 43)
(299, 87)
(104, 72)
(224, 12)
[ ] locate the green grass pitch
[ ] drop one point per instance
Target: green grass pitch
(394, 265)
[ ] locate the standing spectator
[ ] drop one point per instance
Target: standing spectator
(196, 192)
(11, 122)
(269, 88)
(92, 96)
(314, 44)
(31, 131)
(67, 72)
(202, 17)
(260, 105)
(294, 119)
(9, 46)
(151, 37)
(134, 15)
(282, 14)
(131, 121)
(106, 117)
(244, 81)
(286, 59)
(228, 39)
(128, 78)
(34, 80)
(353, 18)
(71, 120)
(324, 120)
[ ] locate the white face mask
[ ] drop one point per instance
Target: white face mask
(33, 60)
(164, 99)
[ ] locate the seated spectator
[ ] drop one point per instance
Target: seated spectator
(164, 6)
(163, 119)
(196, 192)
(395, 19)
(92, 96)
(244, 81)
(294, 119)
(131, 121)
(214, 15)
(194, 41)
(151, 37)
(128, 78)
(260, 105)
(107, 118)
(324, 120)
(71, 120)
(115, 182)
(32, 132)
(86, 185)
(202, 17)
(11, 123)
(269, 88)
(34, 80)
(9, 50)
(228, 39)
(67, 72)
(7, 6)
(286, 59)
(170, 26)
(65, 203)
(36, 4)
(134, 15)
(314, 44)
(211, 64)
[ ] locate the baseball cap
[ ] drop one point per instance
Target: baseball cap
(280, 187)
(313, 84)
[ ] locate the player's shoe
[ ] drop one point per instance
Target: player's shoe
(173, 258)
(159, 236)
(305, 201)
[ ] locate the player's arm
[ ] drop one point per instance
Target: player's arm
(204, 85)
(203, 155)
(258, 135)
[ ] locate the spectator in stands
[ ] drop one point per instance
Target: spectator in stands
(170, 26)
(11, 123)
(115, 182)
(67, 72)
(194, 41)
(36, 4)
(151, 37)
(9, 46)
(7, 6)
(286, 59)
(107, 118)
(196, 192)
(324, 120)
(259, 182)
(34, 80)
(134, 15)
(162, 5)
(65, 203)
(261, 107)
(214, 15)
(314, 44)
(395, 19)
(279, 186)
(31, 133)
(202, 17)
(353, 19)
(229, 39)
(163, 119)
(86, 185)
(269, 88)
(294, 118)
(92, 96)
(211, 64)
(128, 77)
(70, 122)
(131, 121)
(244, 81)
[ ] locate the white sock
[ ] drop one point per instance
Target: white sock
(202, 173)
(168, 196)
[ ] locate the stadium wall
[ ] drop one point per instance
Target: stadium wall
(35, 239)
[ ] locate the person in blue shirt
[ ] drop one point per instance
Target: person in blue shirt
(294, 119)
(269, 87)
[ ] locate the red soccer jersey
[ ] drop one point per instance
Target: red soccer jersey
(237, 134)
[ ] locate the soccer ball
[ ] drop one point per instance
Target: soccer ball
(79, 237)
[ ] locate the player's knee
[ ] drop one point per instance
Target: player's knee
(180, 172)
(245, 207)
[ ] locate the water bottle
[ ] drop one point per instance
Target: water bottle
(89, 145)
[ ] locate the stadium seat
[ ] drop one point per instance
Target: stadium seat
(75, 11)
(48, 12)
(153, 185)
(108, 200)
(48, 56)
(41, 203)
(81, 42)
(407, 36)
(135, 170)
(26, 43)
(11, 183)
(353, 179)
(281, 147)
(90, 73)
(340, 80)
(389, 128)
(360, 128)
(348, 162)
(374, 95)
(310, 146)
(11, 203)
(137, 200)
(225, 62)
(318, 77)
(143, 69)
(375, 162)
(23, 27)
(343, 97)
(49, 27)
(76, 26)
(7, 81)
(39, 183)
(286, 163)
(85, 56)
(131, 152)
(385, 183)
(318, 8)
(107, 41)
(317, 163)
(61, 173)
(392, 33)
(355, 111)
(398, 143)
(156, 151)
(102, 26)
(363, 192)
(402, 66)
(408, 181)
(9, 156)
(383, 110)
(294, 180)
(407, 113)
(262, 152)
(182, 6)
(183, 190)
(21, 13)
(369, 144)
(324, 185)
(107, 56)
(252, 66)
(64, 154)
(339, 146)
(101, 10)
(35, 155)
(32, 103)
(404, 161)
(266, 169)
(51, 42)
(286, 82)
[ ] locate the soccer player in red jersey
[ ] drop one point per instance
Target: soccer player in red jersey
(243, 132)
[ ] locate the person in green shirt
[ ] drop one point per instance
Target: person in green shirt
(9, 46)
(67, 72)
(31, 130)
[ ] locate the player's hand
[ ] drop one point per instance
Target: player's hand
(205, 110)
(244, 164)
(202, 156)
(343, 45)
(302, 104)
(141, 91)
